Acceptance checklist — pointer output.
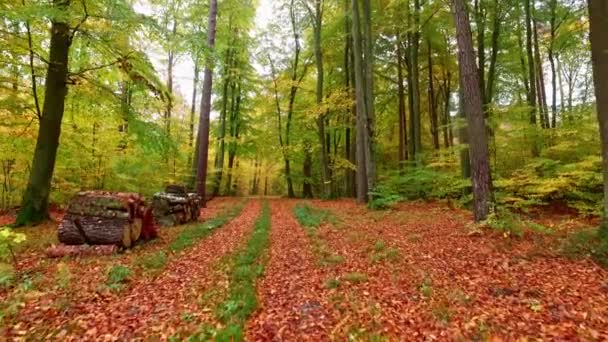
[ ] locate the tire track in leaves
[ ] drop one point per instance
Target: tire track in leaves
(294, 303)
(157, 308)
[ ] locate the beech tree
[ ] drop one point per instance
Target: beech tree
(598, 19)
(203, 128)
(473, 107)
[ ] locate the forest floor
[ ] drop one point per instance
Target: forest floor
(293, 270)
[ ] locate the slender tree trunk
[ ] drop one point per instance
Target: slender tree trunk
(542, 93)
(480, 161)
(203, 128)
(445, 122)
(431, 99)
(307, 171)
(496, 31)
(34, 207)
(362, 185)
(531, 76)
(414, 88)
(368, 51)
(193, 110)
(402, 115)
(598, 18)
(551, 55)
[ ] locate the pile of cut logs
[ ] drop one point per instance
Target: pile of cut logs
(175, 206)
(107, 218)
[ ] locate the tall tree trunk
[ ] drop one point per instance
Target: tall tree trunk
(317, 19)
(445, 119)
(431, 99)
(34, 207)
(551, 55)
(349, 80)
(307, 171)
(193, 110)
(542, 93)
(362, 185)
(598, 18)
(203, 127)
(170, 64)
(402, 115)
(463, 135)
(414, 87)
(531, 96)
(368, 51)
(491, 80)
(480, 161)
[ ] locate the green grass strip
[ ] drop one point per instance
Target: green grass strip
(311, 217)
(241, 302)
(190, 235)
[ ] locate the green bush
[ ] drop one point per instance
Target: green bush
(586, 243)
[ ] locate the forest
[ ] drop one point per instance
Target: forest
(353, 170)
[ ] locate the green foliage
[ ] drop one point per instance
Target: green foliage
(355, 277)
(418, 183)
(63, 276)
(118, 276)
(154, 262)
(7, 276)
(8, 241)
(190, 235)
(248, 267)
(510, 224)
(311, 217)
(543, 181)
(381, 252)
(332, 283)
(426, 287)
(586, 243)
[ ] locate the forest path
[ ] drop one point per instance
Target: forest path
(294, 305)
(155, 307)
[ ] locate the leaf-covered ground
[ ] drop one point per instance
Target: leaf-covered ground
(332, 270)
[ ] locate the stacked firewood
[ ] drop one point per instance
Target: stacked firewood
(176, 205)
(107, 218)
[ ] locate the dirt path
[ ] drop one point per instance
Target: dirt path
(295, 306)
(153, 308)
(480, 286)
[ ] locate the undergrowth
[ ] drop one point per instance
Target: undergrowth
(190, 235)
(241, 301)
(586, 243)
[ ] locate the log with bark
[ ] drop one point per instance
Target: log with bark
(175, 206)
(106, 218)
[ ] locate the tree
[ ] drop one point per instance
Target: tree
(34, 207)
(473, 105)
(363, 68)
(598, 20)
(203, 128)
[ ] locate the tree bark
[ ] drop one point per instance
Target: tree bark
(531, 96)
(473, 104)
(34, 207)
(402, 115)
(431, 99)
(203, 129)
(598, 18)
(362, 185)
